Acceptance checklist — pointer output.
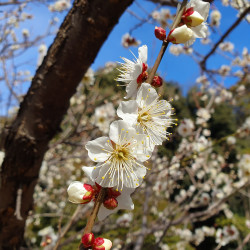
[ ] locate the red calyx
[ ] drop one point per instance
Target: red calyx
(157, 82)
(110, 203)
(88, 239)
(142, 77)
(113, 193)
(160, 33)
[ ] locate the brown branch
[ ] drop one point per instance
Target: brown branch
(234, 25)
(165, 43)
(93, 215)
(75, 47)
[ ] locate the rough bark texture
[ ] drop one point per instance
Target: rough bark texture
(79, 39)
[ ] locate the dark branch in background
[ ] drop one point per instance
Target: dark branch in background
(25, 142)
(171, 3)
(234, 25)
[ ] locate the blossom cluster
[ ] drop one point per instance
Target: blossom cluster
(120, 157)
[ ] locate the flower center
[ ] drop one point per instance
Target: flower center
(120, 153)
(144, 117)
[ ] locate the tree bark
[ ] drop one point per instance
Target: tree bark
(75, 47)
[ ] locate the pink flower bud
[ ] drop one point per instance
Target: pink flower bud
(88, 239)
(80, 193)
(180, 34)
(101, 244)
(157, 82)
(110, 203)
(160, 33)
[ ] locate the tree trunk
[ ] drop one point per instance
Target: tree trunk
(75, 47)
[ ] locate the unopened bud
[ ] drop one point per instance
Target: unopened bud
(101, 244)
(110, 203)
(88, 239)
(113, 193)
(192, 18)
(80, 193)
(157, 82)
(180, 35)
(160, 33)
(142, 77)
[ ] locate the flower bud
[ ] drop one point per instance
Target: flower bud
(156, 82)
(110, 203)
(160, 33)
(192, 18)
(88, 239)
(101, 244)
(113, 193)
(80, 193)
(180, 35)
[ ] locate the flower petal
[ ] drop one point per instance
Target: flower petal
(131, 89)
(99, 149)
(143, 53)
(119, 130)
(146, 95)
(128, 111)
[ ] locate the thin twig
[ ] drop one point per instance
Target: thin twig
(234, 25)
(165, 43)
(93, 215)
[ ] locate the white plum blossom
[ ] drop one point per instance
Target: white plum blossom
(176, 49)
(162, 17)
(119, 157)
(125, 220)
(224, 70)
(42, 53)
(124, 200)
(231, 140)
(203, 115)
(215, 17)
(89, 77)
(60, 5)
(186, 127)
(244, 165)
(148, 115)
(195, 16)
(128, 40)
(133, 73)
(226, 235)
(227, 46)
(103, 116)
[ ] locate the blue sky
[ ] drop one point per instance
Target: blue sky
(181, 69)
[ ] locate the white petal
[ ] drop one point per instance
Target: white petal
(200, 31)
(89, 172)
(190, 42)
(120, 129)
(146, 95)
(124, 202)
(104, 212)
(201, 7)
(102, 177)
(98, 149)
(141, 152)
(131, 89)
(128, 111)
(143, 53)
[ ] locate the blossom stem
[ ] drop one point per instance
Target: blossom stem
(165, 43)
(93, 215)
